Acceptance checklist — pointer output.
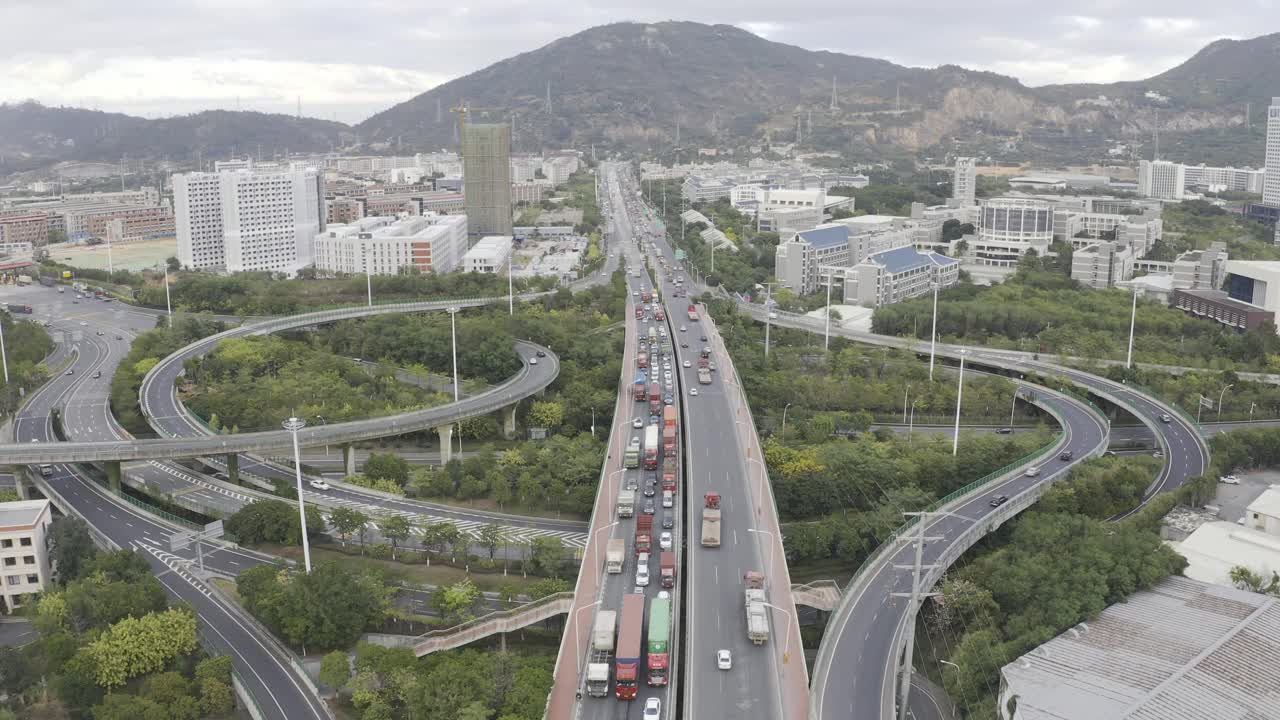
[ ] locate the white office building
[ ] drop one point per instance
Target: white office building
(1102, 265)
(24, 556)
(790, 209)
(1009, 227)
(964, 184)
(263, 217)
(891, 276)
(700, 189)
(1219, 179)
(386, 245)
(1161, 179)
(557, 169)
(796, 260)
(489, 255)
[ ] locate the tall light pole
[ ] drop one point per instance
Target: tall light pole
(768, 315)
(576, 654)
(784, 416)
(1014, 405)
(1133, 317)
(955, 440)
(911, 421)
(168, 302)
(772, 550)
(368, 276)
(511, 297)
(1252, 405)
(453, 334)
(326, 445)
(826, 334)
(933, 335)
(293, 425)
(905, 394)
(786, 646)
(4, 356)
(1220, 395)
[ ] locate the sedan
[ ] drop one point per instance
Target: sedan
(83, 323)
(693, 392)
(687, 363)
(684, 345)
(1004, 431)
(318, 485)
(637, 423)
(652, 709)
(724, 660)
(683, 328)
(999, 500)
(1229, 480)
(664, 541)
(1032, 471)
(649, 507)
(71, 372)
(668, 400)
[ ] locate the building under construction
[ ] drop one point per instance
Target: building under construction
(486, 177)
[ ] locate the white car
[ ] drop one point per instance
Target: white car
(693, 392)
(1229, 480)
(637, 423)
(688, 364)
(664, 541)
(683, 328)
(652, 709)
(635, 293)
(1032, 471)
(642, 576)
(666, 366)
(533, 361)
(318, 485)
(724, 660)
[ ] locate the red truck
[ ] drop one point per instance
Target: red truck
(639, 311)
(644, 534)
(642, 361)
(667, 561)
(646, 296)
(658, 313)
(627, 658)
(669, 431)
(655, 398)
(638, 387)
(693, 313)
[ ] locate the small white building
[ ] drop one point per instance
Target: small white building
(895, 275)
(23, 554)
(489, 255)
(390, 246)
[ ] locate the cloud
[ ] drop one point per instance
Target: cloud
(173, 56)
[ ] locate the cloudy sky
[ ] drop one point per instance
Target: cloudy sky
(347, 60)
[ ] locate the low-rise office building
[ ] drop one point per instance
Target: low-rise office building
(24, 227)
(1102, 265)
(390, 246)
(796, 260)
(489, 255)
(700, 189)
(1183, 649)
(892, 276)
(24, 556)
(1008, 228)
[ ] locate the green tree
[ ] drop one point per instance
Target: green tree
(547, 555)
(387, 466)
(70, 547)
(346, 521)
(457, 601)
(546, 414)
(213, 677)
(335, 670)
(395, 528)
(137, 646)
(491, 536)
(1246, 579)
(119, 706)
(172, 692)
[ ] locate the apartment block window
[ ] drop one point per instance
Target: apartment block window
(6, 543)
(29, 559)
(25, 542)
(33, 579)
(10, 562)
(13, 579)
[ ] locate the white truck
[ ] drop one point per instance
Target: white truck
(614, 555)
(602, 634)
(757, 610)
(626, 503)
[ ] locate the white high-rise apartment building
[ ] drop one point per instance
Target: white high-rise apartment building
(1271, 186)
(964, 186)
(389, 246)
(23, 554)
(1161, 179)
(258, 218)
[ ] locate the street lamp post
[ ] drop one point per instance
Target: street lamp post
(786, 646)
(768, 315)
(326, 445)
(1014, 405)
(1220, 396)
(905, 394)
(576, 653)
(368, 275)
(955, 440)
(911, 421)
(4, 356)
(453, 334)
(1252, 405)
(1133, 317)
(826, 333)
(593, 421)
(772, 549)
(933, 334)
(293, 425)
(784, 416)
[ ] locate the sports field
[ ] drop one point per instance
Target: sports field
(124, 256)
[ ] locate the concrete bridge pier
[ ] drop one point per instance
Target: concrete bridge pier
(509, 421)
(233, 467)
(349, 459)
(446, 443)
(113, 475)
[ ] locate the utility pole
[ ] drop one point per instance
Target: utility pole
(826, 334)
(916, 598)
(834, 106)
(1133, 317)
